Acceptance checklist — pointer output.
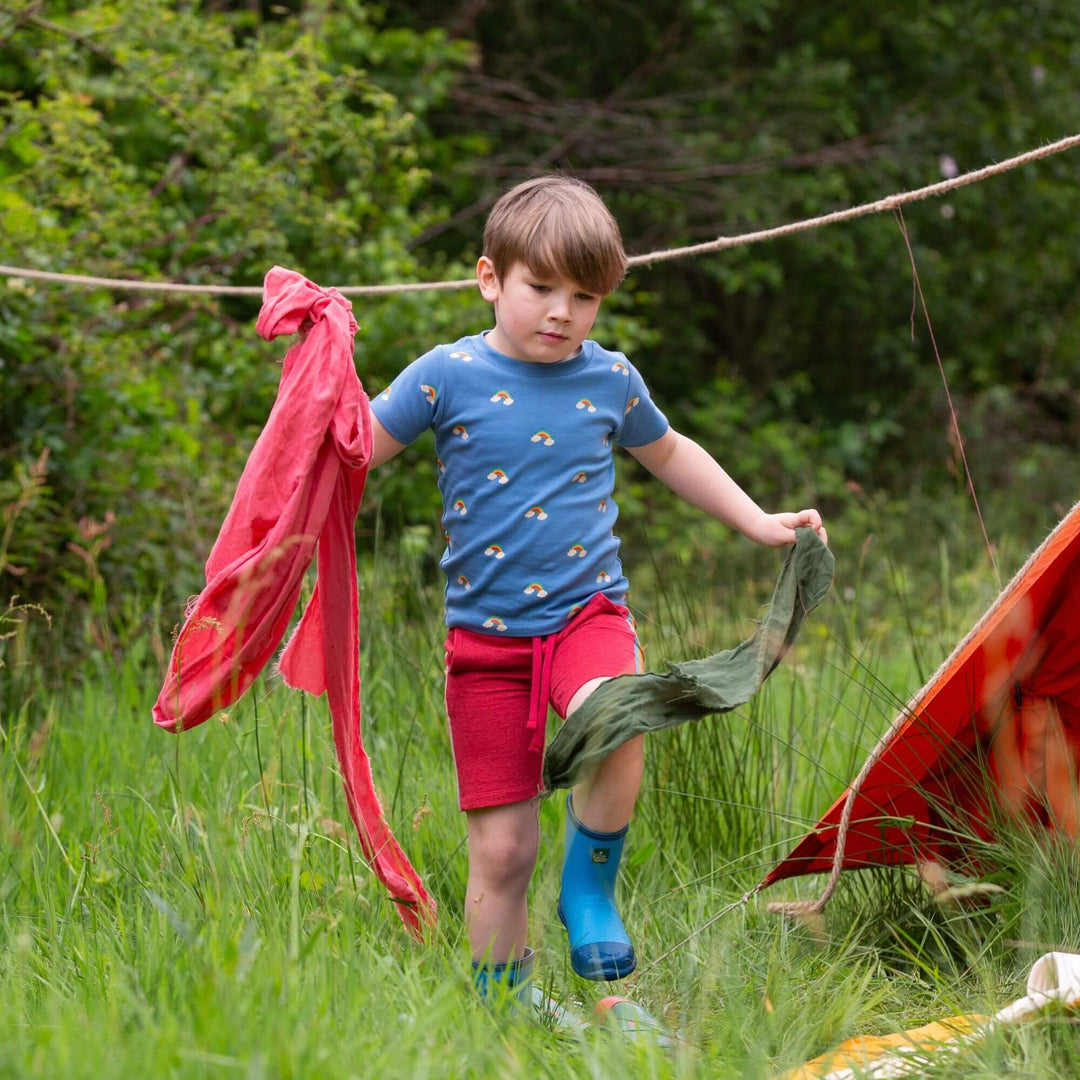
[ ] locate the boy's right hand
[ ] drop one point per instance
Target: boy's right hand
(775, 530)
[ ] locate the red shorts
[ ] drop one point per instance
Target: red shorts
(498, 690)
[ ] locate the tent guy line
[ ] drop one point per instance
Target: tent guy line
(889, 202)
(917, 292)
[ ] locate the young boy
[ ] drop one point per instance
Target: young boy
(525, 416)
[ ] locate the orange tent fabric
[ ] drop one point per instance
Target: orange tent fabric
(995, 732)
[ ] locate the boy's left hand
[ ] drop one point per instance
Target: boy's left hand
(775, 530)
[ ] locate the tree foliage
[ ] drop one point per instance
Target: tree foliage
(162, 141)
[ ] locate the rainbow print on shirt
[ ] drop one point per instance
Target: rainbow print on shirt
(621, 368)
(601, 506)
(574, 610)
(585, 403)
(578, 478)
(460, 507)
(385, 395)
(577, 552)
(494, 622)
(493, 551)
(460, 430)
(498, 475)
(439, 462)
(461, 355)
(631, 403)
(535, 589)
(464, 582)
(544, 437)
(429, 392)
(537, 512)
(503, 396)
(603, 577)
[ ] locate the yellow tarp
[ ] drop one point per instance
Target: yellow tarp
(863, 1050)
(1054, 981)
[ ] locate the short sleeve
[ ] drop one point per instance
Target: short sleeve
(407, 407)
(642, 421)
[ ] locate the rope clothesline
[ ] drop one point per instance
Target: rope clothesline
(890, 202)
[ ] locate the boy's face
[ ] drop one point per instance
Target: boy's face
(538, 318)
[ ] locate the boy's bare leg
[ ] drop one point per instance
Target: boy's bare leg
(605, 800)
(503, 843)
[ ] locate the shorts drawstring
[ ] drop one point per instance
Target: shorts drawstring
(540, 690)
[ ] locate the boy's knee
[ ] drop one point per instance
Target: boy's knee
(504, 855)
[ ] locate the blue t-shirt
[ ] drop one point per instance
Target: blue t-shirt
(526, 473)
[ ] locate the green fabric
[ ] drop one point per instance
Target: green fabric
(632, 704)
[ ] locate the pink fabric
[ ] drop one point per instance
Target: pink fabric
(302, 485)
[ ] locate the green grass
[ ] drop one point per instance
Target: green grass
(193, 906)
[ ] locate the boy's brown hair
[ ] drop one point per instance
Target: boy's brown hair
(556, 225)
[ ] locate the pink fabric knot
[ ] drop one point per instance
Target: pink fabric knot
(290, 299)
(292, 304)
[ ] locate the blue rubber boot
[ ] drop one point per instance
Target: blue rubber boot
(512, 979)
(512, 985)
(599, 945)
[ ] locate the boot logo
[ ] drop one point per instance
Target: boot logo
(600, 854)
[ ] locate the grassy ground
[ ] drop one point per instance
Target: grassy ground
(193, 906)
